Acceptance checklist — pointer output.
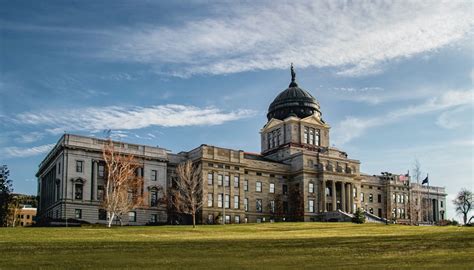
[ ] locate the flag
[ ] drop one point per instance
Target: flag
(403, 177)
(425, 181)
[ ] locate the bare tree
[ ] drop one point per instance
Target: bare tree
(13, 210)
(123, 187)
(415, 198)
(296, 201)
(276, 210)
(463, 203)
(187, 190)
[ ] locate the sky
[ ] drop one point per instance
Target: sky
(394, 78)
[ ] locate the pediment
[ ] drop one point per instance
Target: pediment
(314, 120)
(272, 123)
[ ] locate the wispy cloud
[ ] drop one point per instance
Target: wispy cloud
(128, 118)
(356, 38)
(15, 152)
(29, 137)
(353, 127)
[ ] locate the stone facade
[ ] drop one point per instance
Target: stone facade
(297, 176)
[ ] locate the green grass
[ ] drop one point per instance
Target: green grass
(257, 246)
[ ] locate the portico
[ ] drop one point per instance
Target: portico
(336, 195)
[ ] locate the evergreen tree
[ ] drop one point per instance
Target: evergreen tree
(5, 190)
(359, 216)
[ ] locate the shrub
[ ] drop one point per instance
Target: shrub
(359, 217)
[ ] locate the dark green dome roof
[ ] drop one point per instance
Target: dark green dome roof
(293, 101)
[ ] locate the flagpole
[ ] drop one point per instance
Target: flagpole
(429, 199)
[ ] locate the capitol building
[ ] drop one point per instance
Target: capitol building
(297, 176)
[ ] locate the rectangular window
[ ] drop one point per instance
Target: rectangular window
(154, 175)
(316, 137)
(236, 181)
(258, 205)
(311, 136)
(227, 219)
(246, 204)
(272, 206)
(78, 192)
(210, 200)
(379, 198)
(153, 218)
(79, 166)
(285, 189)
(380, 212)
(227, 201)
(219, 200)
(246, 185)
(154, 199)
(220, 177)
(311, 206)
(210, 178)
(236, 202)
(132, 216)
(371, 197)
(78, 213)
(311, 188)
(361, 197)
(101, 170)
(59, 168)
(258, 186)
(102, 214)
(227, 180)
(210, 219)
(272, 188)
(441, 203)
(237, 219)
(306, 135)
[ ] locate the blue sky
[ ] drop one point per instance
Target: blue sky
(394, 79)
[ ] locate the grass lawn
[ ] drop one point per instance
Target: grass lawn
(257, 246)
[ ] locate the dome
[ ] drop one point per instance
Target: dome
(293, 101)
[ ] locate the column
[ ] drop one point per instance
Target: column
(343, 196)
(323, 196)
(94, 180)
(351, 196)
(334, 204)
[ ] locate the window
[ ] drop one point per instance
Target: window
(246, 185)
(380, 212)
(227, 219)
(210, 178)
(153, 218)
(236, 202)
(371, 197)
(354, 192)
(402, 198)
(102, 214)
(311, 188)
(394, 197)
(210, 200)
(311, 206)
(258, 186)
(227, 180)
(379, 198)
(101, 170)
(154, 198)
(311, 136)
(227, 201)
(285, 189)
(219, 179)
(272, 188)
(100, 193)
(237, 219)
(78, 213)
(79, 166)
(59, 168)
(154, 175)
(236, 181)
(27, 216)
(210, 219)
(259, 205)
(78, 191)
(371, 210)
(246, 204)
(361, 197)
(285, 207)
(441, 203)
(132, 216)
(272, 206)
(219, 200)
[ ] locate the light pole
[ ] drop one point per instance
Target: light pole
(223, 196)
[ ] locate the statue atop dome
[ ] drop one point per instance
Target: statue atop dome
(293, 74)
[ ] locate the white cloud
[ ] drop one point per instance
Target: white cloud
(14, 152)
(357, 37)
(353, 127)
(127, 118)
(29, 137)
